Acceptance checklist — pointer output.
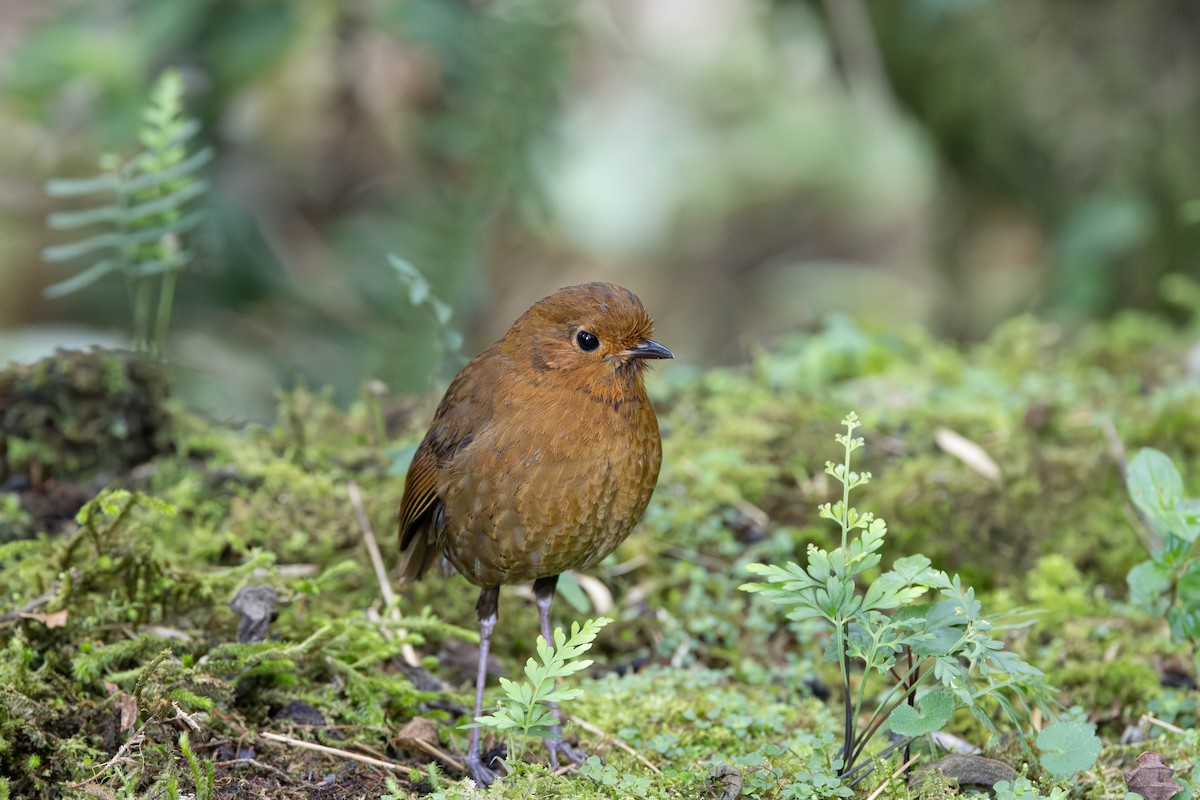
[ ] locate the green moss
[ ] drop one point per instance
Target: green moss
(744, 454)
(76, 413)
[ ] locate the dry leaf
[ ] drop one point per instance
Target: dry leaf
(968, 452)
(128, 708)
(165, 632)
(53, 620)
(597, 592)
(419, 733)
(1151, 778)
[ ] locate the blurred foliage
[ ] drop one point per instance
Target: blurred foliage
(748, 167)
(342, 130)
(1080, 116)
(1168, 583)
(142, 217)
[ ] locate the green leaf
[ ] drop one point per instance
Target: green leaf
(85, 278)
(1156, 488)
(934, 710)
(65, 220)
(169, 202)
(570, 590)
(452, 340)
(441, 312)
(158, 178)
(65, 252)
(1154, 483)
(527, 710)
(181, 225)
(1068, 747)
(74, 187)
(890, 590)
(1149, 583)
(1187, 584)
(407, 271)
(1184, 621)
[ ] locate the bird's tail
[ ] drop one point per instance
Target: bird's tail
(418, 555)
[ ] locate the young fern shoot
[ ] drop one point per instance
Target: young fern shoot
(528, 713)
(891, 635)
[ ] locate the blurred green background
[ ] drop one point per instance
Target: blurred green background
(748, 167)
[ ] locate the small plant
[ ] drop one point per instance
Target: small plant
(420, 295)
(1168, 583)
(816, 779)
(203, 775)
(527, 713)
(607, 775)
(1023, 789)
(939, 655)
(1067, 747)
(145, 217)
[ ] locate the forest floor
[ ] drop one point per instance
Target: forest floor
(128, 526)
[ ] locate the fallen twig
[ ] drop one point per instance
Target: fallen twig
(333, 751)
(1116, 449)
(1158, 723)
(436, 752)
(903, 768)
(135, 739)
(385, 586)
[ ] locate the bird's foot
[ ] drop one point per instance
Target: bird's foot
(556, 747)
(482, 775)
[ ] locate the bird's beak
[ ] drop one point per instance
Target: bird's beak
(647, 348)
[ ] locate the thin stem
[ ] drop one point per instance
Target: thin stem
(136, 287)
(141, 314)
(166, 297)
(868, 767)
(880, 715)
(868, 659)
(900, 682)
(910, 689)
(848, 732)
(846, 488)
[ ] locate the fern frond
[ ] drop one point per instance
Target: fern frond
(146, 214)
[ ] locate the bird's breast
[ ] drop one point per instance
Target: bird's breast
(554, 482)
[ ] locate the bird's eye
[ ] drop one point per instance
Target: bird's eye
(587, 341)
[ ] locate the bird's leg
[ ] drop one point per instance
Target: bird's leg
(487, 610)
(543, 591)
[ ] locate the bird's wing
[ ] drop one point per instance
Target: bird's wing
(466, 409)
(420, 492)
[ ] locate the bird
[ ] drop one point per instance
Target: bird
(541, 458)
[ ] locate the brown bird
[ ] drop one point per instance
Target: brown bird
(540, 459)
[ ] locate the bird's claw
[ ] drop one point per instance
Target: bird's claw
(571, 754)
(483, 776)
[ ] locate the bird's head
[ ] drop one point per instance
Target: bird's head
(599, 331)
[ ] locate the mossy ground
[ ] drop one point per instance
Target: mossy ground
(93, 700)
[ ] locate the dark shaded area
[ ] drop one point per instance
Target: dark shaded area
(77, 413)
